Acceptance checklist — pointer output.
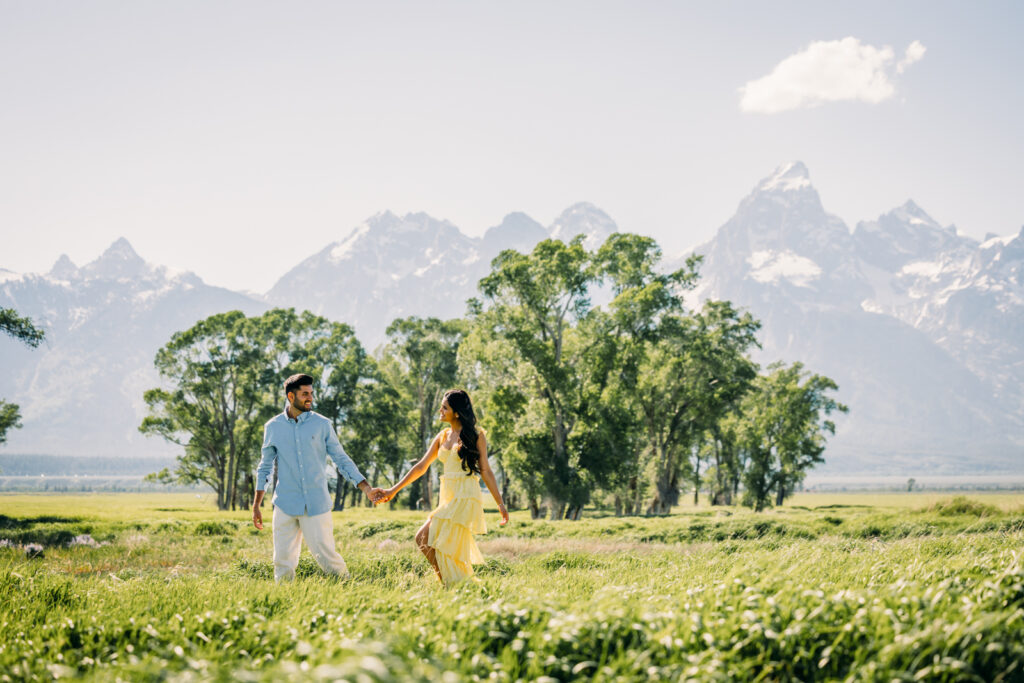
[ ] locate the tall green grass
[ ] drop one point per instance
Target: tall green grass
(932, 593)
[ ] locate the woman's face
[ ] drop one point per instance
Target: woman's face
(446, 413)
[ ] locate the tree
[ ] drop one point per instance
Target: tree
(785, 423)
(647, 304)
(25, 331)
(376, 436)
(10, 418)
(531, 305)
(420, 359)
(216, 400)
(22, 329)
(691, 376)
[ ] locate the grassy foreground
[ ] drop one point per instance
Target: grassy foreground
(910, 587)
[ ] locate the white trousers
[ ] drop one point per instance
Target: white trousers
(318, 531)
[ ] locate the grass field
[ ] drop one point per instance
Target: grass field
(915, 586)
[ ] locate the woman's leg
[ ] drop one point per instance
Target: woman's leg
(421, 542)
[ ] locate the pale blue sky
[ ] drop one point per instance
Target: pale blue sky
(236, 138)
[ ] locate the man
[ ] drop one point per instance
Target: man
(299, 440)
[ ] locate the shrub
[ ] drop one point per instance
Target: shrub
(962, 505)
(209, 528)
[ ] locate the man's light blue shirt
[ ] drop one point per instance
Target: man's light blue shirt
(300, 447)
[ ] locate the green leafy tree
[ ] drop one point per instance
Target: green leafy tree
(646, 303)
(377, 435)
(420, 359)
(689, 378)
(786, 420)
(214, 402)
(10, 418)
(530, 308)
(25, 331)
(20, 328)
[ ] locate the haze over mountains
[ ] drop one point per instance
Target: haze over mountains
(923, 328)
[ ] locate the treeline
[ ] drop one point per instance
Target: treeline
(628, 403)
(15, 465)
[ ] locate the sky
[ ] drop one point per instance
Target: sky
(235, 139)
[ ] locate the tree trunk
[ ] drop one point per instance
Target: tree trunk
(781, 494)
(339, 492)
(415, 494)
(427, 493)
(557, 509)
(535, 510)
(504, 489)
(250, 488)
(667, 494)
(618, 506)
(696, 476)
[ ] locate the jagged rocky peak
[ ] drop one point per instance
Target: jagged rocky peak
(585, 219)
(516, 231)
(789, 177)
(906, 233)
(913, 214)
(787, 190)
(63, 269)
(119, 261)
(783, 215)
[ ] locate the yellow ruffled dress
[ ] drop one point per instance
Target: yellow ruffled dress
(459, 515)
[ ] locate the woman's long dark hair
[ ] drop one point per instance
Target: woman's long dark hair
(458, 400)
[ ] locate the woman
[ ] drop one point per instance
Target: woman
(447, 537)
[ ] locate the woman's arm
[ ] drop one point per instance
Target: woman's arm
(415, 473)
(488, 476)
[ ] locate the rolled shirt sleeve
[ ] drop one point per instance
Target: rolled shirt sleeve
(269, 452)
(341, 459)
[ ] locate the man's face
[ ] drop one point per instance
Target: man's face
(301, 400)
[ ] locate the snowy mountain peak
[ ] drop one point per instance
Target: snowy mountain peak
(583, 218)
(63, 269)
(119, 261)
(905, 234)
(121, 249)
(786, 178)
(516, 231)
(913, 214)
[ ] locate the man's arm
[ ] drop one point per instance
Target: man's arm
(346, 466)
(268, 453)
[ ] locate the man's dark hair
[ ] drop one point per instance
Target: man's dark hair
(295, 381)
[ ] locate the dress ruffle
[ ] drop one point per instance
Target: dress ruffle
(459, 515)
(465, 512)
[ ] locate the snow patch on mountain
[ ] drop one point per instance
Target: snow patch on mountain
(770, 266)
(583, 219)
(343, 248)
(997, 240)
(787, 178)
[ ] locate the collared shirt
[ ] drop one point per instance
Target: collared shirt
(300, 447)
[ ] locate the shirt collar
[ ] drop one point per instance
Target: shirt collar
(303, 416)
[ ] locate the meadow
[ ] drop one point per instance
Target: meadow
(913, 586)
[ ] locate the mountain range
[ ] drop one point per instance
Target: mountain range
(921, 326)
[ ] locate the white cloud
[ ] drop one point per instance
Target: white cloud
(828, 71)
(915, 51)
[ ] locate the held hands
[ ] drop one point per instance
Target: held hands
(504, 514)
(375, 495)
(385, 496)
